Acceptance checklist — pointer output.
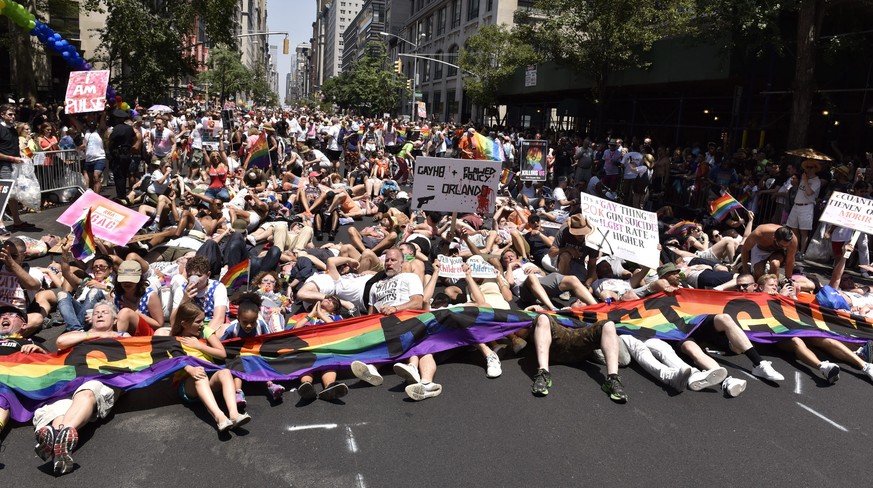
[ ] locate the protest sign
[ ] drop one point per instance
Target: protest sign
(422, 110)
(86, 92)
(625, 232)
(109, 220)
(533, 160)
(455, 185)
(5, 188)
(480, 269)
(451, 266)
(850, 211)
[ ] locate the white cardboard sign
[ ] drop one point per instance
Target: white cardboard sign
(455, 185)
(625, 232)
(850, 211)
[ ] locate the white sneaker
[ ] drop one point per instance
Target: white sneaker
(765, 370)
(705, 379)
(421, 391)
(733, 387)
(565, 296)
(868, 368)
(829, 371)
(492, 366)
(408, 372)
(251, 240)
(676, 378)
(366, 373)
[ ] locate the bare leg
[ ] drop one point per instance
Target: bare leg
(80, 411)
(609, 345)
(579, 290)
(738, 340)
(427, 368)
(538, 291)
(836, 349)
(543, 340)
(355, 239)
(223, 379)
(328, 378)
(700, 358)
(201, 389)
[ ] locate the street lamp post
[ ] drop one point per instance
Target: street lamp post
(414, 67)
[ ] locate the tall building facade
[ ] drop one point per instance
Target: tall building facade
(302, 69)
(339, 15)
(252, 18)
(364, 28)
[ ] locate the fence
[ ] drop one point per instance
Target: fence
(59, 170)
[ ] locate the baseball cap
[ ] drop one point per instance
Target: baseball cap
(130, 271)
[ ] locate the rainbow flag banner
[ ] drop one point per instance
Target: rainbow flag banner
(506, 176)
(28, 381)
(259, 154)
(486, 148)
(722, 206)
(84, 245)
(237, 276)
(681, 228)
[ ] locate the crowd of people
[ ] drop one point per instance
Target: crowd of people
(208, 210)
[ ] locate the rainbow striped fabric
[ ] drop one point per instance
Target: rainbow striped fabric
(83, 239)
(681, 228)
(722, 206)
(259, 154)
(237, 276)
(486, 148)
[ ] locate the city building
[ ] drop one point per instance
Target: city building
(301, 69)
(364, 28)
(339, 15)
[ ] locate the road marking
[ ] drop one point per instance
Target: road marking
(797, 388)
(350, 440)
(750, 375)
(822, 417)
(313, 426)
(360, 479)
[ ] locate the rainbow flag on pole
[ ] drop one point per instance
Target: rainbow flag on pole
(259, 154)
(237, 276)
(486, 148)
(506, 176)
(83, 239)
(722, 206)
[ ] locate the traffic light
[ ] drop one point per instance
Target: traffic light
(285, 45)
(398, 67)
(409, 85)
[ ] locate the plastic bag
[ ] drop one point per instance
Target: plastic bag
(819, 248)
(26, 188)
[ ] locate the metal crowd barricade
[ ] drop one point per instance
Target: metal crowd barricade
(59, 170)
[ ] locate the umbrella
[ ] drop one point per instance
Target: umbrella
(809, 153)
(160, 108)
(682, 227)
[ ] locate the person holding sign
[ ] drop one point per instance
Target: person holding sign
(530, 283)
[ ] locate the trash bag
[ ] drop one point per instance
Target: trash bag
(819, 248)
(26, 188)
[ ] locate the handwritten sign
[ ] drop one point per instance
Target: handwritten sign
(533, 160)
(451, 267)
(86, 91)
(109, 220)
(850, 211)
(5, 189)
(480, 269)
(422, 110)
(455, 185)
(625, 232)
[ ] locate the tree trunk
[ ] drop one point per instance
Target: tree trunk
(808, 22)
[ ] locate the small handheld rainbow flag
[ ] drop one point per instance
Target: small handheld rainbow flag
(681, 228)
(237, 276)
(506, 176)
(722, 206)
(83, 239)
(259, 154)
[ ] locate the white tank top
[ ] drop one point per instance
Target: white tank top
(93, 146)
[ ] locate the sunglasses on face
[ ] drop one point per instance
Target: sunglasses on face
(745, 286)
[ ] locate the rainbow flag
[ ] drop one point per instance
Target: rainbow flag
(744, 199)
(681, 228)
(486, 148)
(506, 176)
(259, 154)
(83, 238)
(237, 275)
(722, 206)
(425, 132)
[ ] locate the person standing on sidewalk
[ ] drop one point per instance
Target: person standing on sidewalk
(121, 143)
(10, 154)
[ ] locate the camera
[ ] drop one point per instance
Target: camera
(786, 282)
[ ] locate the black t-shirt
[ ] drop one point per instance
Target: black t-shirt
(565, 239)
(11, 345)
(282, 128)
(121, 141)
(9, 142)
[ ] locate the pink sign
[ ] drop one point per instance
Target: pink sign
(86, 91)
(109, 220)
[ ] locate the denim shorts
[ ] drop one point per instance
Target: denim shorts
(96, 165)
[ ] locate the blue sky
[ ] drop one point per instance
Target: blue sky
(294, 17)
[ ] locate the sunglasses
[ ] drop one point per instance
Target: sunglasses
(100, 267)
(745, 286)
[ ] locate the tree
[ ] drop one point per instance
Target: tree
(226, 74)
(259, 87)
(492, 55)
(599, 37)
(369, 86)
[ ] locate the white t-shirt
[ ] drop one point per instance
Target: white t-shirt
(802, 197)
(156, 187)
(395, 291)
(324, 283)
(197, 137)
(631, 161)
(350, 287)
(332, 143)
(93, 146)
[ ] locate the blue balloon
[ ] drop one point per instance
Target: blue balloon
(58, 46)
(66, 54)
(56, 37)
(87, 66)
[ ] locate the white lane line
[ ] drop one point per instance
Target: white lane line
(798, 389)
(313, 426)
(350, 440)
(750, 375)
(360, 479)
(822, 417)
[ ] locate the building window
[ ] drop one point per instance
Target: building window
(441, 22)
(490, 5)
(456, 13)
(452, 104)
(438, 67)
(426, 69)
(428, 27)
(472, 9)
(437, 108)
(452, 58)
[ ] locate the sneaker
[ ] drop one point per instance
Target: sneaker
(676, 378)
(240, 399)
(705, 379)
(334, 392)
(408, 372)
(251, 240)
(306, 391)
(829, 371)
(65, 441)
(565, 296)
(366, 373)
(733, 387)
(492, 366)
(542, 383)
(864, 351)
(422, 391)
(868, 368)
(613, 387)
(224, 425)
(275, 391)
(45, 442)
(243, 419)
(765, 370)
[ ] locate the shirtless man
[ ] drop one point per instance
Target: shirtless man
(769, 243)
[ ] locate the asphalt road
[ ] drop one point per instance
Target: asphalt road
(480, 432)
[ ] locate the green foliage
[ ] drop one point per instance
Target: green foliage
(369, 87)
(493, 54)
(226, 74)
(259, 87)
